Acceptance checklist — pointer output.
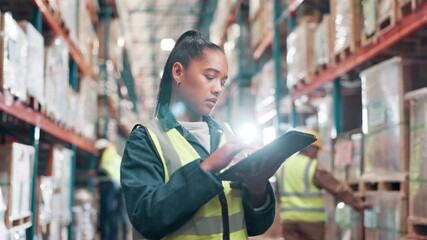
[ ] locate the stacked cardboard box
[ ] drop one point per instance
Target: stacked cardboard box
(385, 114)
(14, 48)
(16, 171)
(387, 218)
(418, 156)
(299, 57)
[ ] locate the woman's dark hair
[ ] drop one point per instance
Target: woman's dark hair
(190, 45)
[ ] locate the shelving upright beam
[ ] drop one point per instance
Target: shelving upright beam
(277, 64)
(35, 137)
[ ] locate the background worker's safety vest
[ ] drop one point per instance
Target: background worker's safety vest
(175, 151)
(300, 199)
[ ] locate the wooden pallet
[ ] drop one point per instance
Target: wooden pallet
(404, 8)
(381, 26)
(398, 184)
(354, 34)
(343, 55)
(13, 223)
(417, 227)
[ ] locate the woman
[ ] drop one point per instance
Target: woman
(170, 164)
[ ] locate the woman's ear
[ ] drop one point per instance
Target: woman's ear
(177, 71)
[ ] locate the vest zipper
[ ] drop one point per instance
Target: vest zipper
(225, 218)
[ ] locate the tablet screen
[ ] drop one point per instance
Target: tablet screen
(280, 149)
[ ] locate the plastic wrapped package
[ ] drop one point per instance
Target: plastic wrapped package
(35, 73)
(61, 176)
(69, 10)
(15, 62)
(87, 111)
(385, 114)
(46, 188)
(355, 170)
(87, 38)
(326, 129)
(348, 222)
(72, 105)
(346, 19)
(369, 17)
(418, 153)
(56, 79)
(342, 157)
(16, 165)
(387, 219)
(85, 216)
(323, 42)
(300, 53)
(384, 9)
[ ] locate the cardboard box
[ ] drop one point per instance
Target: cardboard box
(13, 67)
(386, 114)
(16, 171)
(35, 55)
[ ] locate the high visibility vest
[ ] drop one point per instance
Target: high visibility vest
(300, 199)
(110, 162)
(175, 151)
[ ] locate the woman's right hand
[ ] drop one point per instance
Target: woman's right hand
(222, 156)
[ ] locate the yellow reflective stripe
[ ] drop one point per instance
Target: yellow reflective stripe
(234, 199)
(186, 152)
(312, 187)
(242, 234)
(159, 150)
(303, 216)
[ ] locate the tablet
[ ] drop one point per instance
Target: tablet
(280, 149)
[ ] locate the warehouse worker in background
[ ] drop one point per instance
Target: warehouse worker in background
(170, 165)
(299, 183)
(113, 217)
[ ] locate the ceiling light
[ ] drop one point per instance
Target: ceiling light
(167, 44)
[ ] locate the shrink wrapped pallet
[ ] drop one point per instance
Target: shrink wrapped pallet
(326, 129)
(385, 114)
(388, 216)
(299, 57)
(345, 16)
(14, 49)
(35, 55)
(16, 171)
(56, 79)
(418, 153)
(348, 222)
(323, 42)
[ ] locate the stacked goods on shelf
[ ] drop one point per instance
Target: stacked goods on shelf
(378, 17)
(342, 157)
(387, 218)
(45, 191)
(88, 42)
(56, 79)
(60, 161)
(299, 57)
(418, 164)
(84, 213)
(322, 45)
(348, 156)
(14, 48)
(347, 222)
(16, 170)
(261, 17)
(326, 127)
(87, 110)
(345, 16)
(35, 71)
(127, 117)
(385, 115)
(68, 11)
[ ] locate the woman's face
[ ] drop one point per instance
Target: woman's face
(200, 84)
